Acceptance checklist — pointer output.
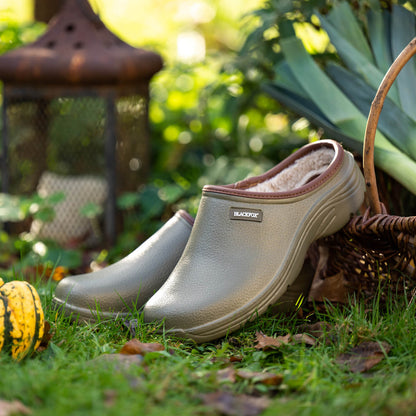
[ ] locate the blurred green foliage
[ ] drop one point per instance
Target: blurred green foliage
(13, 35)
(259, 53)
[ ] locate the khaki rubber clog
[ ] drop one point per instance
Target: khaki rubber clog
(125, 286)
(249, 241)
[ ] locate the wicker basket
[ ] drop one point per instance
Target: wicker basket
(374, 247)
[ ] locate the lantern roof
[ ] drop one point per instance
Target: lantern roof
(78, 49)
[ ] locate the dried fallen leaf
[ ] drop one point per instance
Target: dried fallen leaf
(235, 404)
(317, 329)
(363, 357)
(59, 273)
(230, 374)
(13, 408)
(119, 361)
(303, 339)
(333, 288)
(47, 272)
(264, 342)
(268, 379)
(47, 336)
(134, 346)
(226, 374)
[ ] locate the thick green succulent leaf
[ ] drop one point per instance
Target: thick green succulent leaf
(319, 87)
(302, 104)
(403, 30)
(379, 35)
(353, 58)
(332, 102)
(285, 79)
(398, 166)
(394, 123)
(306, 108)
(343, 19)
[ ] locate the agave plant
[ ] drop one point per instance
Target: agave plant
(337, 96)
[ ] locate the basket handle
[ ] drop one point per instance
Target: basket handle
(371, 128)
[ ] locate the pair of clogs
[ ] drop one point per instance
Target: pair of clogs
(248, 243)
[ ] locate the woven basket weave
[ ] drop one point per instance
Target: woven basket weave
(375, 246)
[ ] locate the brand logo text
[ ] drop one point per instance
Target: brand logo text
(246, 214)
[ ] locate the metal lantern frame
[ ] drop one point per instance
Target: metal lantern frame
(109, 95)
(77, 56)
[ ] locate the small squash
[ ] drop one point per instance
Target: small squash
(21, 319)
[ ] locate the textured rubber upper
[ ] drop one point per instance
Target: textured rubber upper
(235, 265)
(126, 285)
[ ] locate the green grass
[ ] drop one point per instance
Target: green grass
(66, 380)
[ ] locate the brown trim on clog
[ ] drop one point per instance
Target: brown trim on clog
(187, 217)
(240, 188)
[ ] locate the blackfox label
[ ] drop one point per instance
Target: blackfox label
(246, 214)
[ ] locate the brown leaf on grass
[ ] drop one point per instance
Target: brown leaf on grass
(13, 408)
(226, 374)
(59, 273)
(303, 339)
(45, 272)
(235, 404)
(364, 356)
(333, 288)
(264, 342)
(119, 361)
(47, 336)
(231, 375)
(317, 329)
(134, 346)
(268, 379)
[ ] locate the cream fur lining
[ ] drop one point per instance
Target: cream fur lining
(298, 174)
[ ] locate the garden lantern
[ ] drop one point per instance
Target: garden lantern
(75, 114)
